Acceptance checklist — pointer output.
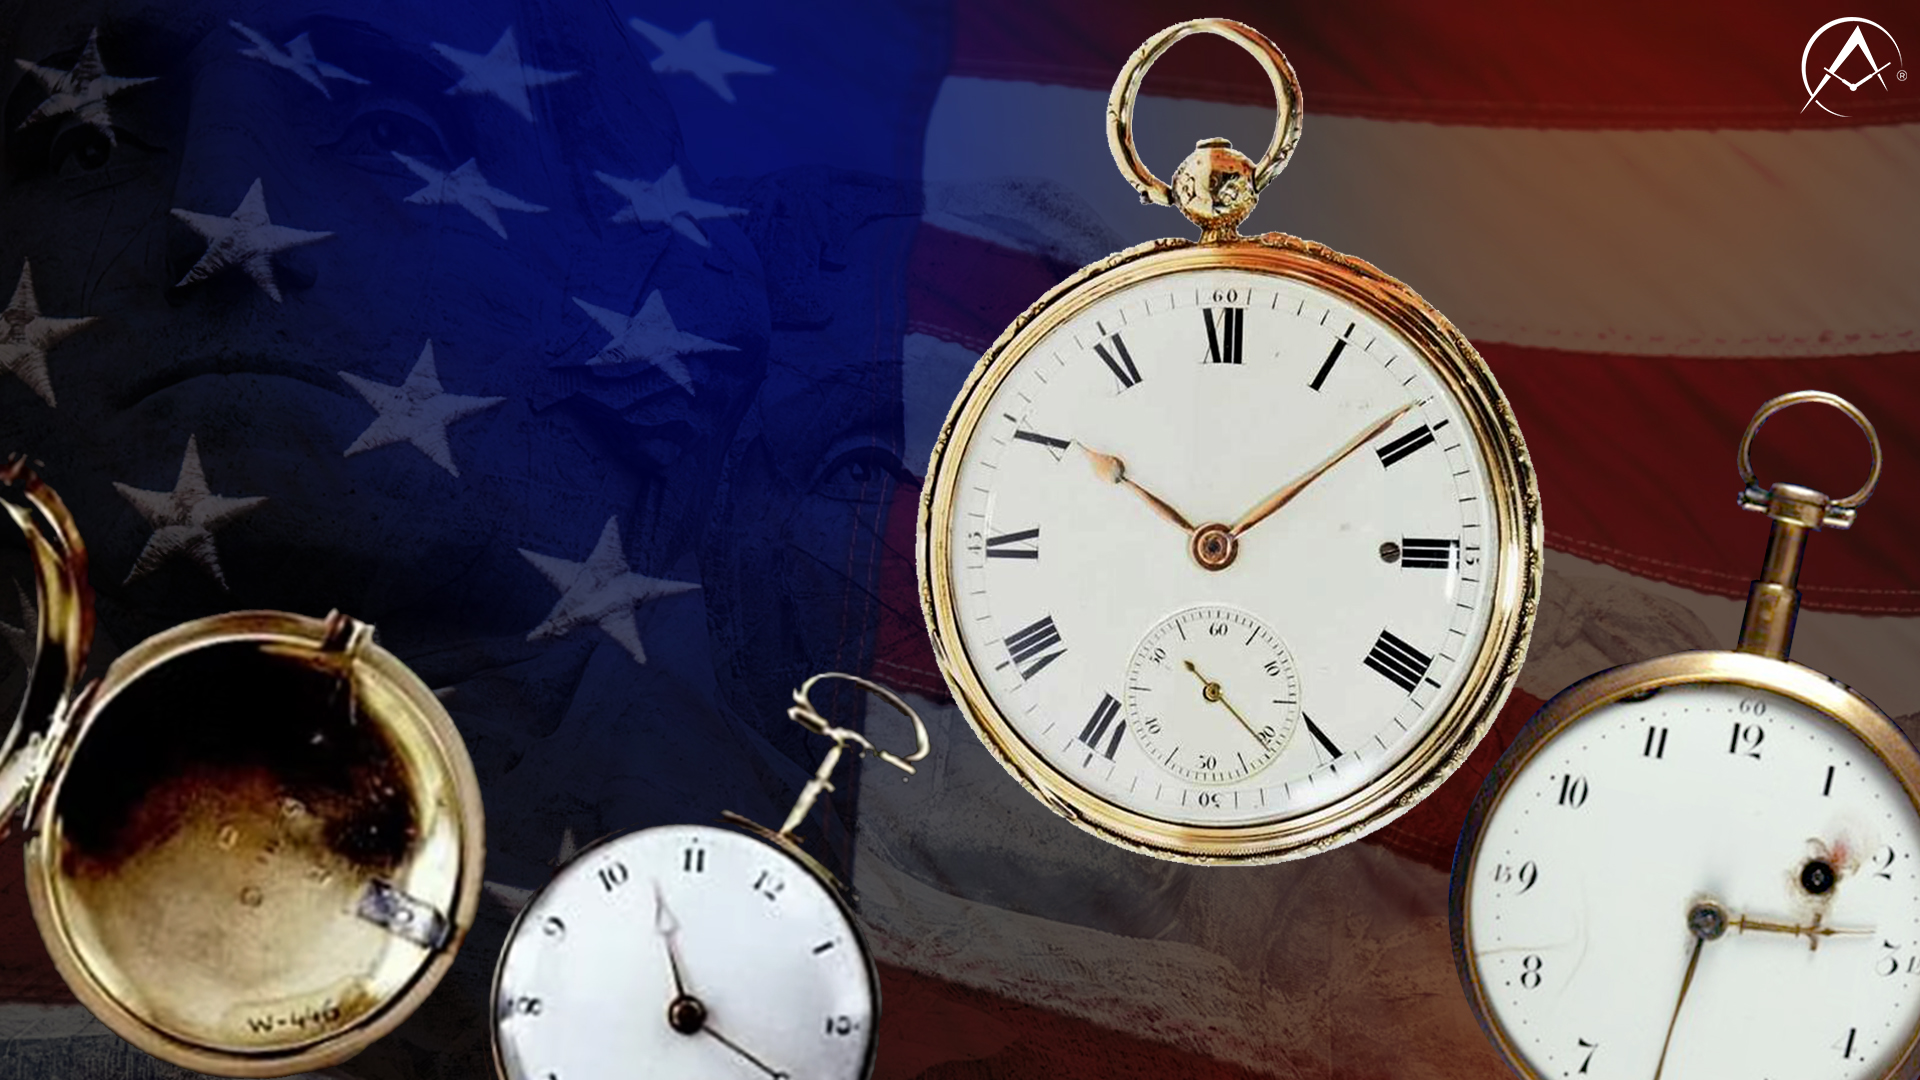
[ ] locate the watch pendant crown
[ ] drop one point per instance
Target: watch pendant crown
(1215, 188)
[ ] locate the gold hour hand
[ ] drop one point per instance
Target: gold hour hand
(1114, 471)
(1286, 493)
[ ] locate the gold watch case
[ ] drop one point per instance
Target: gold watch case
(1216, 187)
(1795, 682)
(1760, 662)
(1514, 556)
(254, 843)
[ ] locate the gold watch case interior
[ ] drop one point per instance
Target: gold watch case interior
(254, 844)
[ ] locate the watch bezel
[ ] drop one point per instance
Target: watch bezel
(1513, 573)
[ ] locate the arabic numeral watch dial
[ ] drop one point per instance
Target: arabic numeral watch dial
(695, 952)
(1705, 864)
(1230, 548)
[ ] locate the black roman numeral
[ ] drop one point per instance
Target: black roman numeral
(1031, 643)
(1105, 715)
(1054, 446)
(1424, 553)
(1024, 544)
(1656, 746)
(1405, 444)
(1225, 334)
(1401, 663)
(1320, 737)
(1326, 366)
(1122, 365)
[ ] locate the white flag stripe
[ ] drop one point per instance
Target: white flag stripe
(1681, 243)
(1270, 968)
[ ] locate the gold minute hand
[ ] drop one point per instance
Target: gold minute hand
(1114, 471)
(1813, 931)
(1265, 507)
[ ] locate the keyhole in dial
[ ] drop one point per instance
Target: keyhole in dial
(1817, 877)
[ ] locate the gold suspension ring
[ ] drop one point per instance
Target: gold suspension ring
(1820, 397)
(1286, 89)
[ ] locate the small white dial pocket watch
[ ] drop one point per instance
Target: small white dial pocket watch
(1704, 864)
(690, 951)
(1229, 549)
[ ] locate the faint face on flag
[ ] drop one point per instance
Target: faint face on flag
(433, 281)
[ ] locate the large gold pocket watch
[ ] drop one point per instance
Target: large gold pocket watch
(254, 843)
(1230, 549)
(1704, 864)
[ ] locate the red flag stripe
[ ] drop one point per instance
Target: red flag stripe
(1636, 64)
(1635, 457)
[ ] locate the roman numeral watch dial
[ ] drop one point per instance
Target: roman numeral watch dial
(1229, 549)
(1705, 864)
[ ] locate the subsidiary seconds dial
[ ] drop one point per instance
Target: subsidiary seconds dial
(1212, 696)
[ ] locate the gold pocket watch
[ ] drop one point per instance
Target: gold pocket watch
(254, 844)
(695, 951)
(1229, 549)
(1704, 864)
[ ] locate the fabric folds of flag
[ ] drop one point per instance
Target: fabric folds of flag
(1643, 236)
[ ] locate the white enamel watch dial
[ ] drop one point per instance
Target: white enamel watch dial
(1199, 439)
(1714, 880)
(685, 951)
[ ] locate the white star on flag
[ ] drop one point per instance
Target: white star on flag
(602, 591)
(665, 199)
(297, 57)
(26, 335)
(82, 90)
(500, 73)
(649, 335)
(183, 519)
(246, 238)
(466, 188)
(417, 411)
(698, 53)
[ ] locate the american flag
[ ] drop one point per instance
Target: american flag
(593, 352)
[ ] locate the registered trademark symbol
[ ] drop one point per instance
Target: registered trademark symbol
(1901, 75)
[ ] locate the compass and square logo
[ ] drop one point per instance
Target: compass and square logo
(1863, 55)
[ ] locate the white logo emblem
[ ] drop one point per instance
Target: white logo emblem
(1855, 43)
